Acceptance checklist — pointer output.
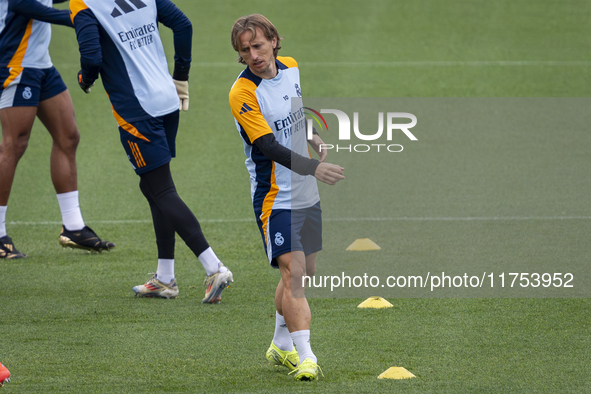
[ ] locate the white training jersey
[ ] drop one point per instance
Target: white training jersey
(135, 40)
(263, 106)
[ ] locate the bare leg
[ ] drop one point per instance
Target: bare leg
(279, 297)
(17, 123)
(310, 270)
(310, 265)
(57, 115)
(294, 305)
(293, 267)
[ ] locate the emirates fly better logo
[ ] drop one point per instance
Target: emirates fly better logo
(345, 130)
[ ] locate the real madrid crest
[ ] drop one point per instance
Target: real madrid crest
(27, 94)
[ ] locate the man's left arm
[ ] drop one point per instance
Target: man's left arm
(172, 17)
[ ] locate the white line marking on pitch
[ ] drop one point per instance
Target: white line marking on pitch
(366, 219)
(432, 63)
(411, 63)
(129, 221)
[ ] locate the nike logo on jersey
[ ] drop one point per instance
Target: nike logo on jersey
(125, 7)
(245, 108)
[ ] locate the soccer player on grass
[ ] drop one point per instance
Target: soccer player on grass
(120, 40)
(283, 189)
(30, 87)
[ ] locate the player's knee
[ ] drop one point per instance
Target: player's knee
(15, 147)
(158, 184)
(297, 273)
(292, 270)
(167, 193)
(69, 140)
(21, 146)
(298, 282)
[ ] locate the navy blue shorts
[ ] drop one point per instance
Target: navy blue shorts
(289, 230)
(150, 143)
(29, 87)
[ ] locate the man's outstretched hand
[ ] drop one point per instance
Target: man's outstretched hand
(329, 173)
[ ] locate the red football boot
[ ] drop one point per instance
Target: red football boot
(4, 375)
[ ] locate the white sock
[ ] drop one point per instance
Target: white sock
(301, 339)
(2, 221)
(165, 271)
(282, 339)
(70, 208)
(210, 261)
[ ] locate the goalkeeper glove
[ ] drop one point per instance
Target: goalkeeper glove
(182, 89)
(83, 85)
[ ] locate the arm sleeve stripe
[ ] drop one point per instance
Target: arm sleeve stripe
(75, 7)
(246, 110)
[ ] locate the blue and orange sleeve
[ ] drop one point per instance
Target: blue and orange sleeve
(290, 62)
(75, 7)
(35, 10)
(87, 33)
(246, 110)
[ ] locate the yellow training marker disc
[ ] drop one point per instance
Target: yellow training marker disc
(375, 302)
(396, 373)
(363, 244)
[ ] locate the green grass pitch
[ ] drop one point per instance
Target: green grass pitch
(69, 321)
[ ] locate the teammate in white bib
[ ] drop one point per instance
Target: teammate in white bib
(266, 104)
(120, 40)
